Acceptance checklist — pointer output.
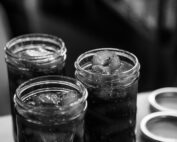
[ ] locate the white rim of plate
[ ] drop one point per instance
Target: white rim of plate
(154, 94)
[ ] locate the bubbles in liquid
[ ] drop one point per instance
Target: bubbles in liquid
(46, 136)
(53, 98)
(57, 137)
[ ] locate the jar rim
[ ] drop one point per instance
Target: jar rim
(57, 79)
(90, 52)
(36, 37)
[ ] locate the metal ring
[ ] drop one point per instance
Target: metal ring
(153, 98)
(157, 115)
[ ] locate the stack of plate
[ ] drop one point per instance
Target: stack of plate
(161, 125)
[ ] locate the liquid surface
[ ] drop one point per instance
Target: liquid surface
(124, 66)
(33, 51)
(168, 100)
(166, 128)
(52, 98)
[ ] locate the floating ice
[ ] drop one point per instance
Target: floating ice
(115, 62)
(37, 51)
(101, 69)
(69, 97)
(60, 98)
(102, 58)
(105, 62)
(49, 98)
(125, 67)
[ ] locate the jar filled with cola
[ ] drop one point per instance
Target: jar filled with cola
(111, 77)
(32, 55)
(50, 109)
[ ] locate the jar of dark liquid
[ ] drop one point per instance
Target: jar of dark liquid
(50, 109)
(111, 77)
(33, 55)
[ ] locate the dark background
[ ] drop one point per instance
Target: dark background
(146, 28)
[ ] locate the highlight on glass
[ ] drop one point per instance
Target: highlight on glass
(50, 109)
(111, 77)
(32, 55)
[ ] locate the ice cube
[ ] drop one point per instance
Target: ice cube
(105, 62)
(36, 51)
(33, 103)
(115, 63)
(125, 66)
(101, 69)
(49, 98)
(69, 97)
(60, 98)
(101, 58)
(123, 78)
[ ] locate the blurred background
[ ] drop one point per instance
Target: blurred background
(147, 28)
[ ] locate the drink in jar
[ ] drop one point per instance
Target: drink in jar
(33, 55)
(111, 77)
(50, 109)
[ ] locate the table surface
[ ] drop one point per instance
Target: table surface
(143, 110)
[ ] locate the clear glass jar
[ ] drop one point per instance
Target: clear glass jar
(33, 55)
(50, 109)
(112, 97)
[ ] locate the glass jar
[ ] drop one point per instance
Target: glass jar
(32, 55)
(50, 109)
(112, 97)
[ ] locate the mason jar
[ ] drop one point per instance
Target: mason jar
(31, 55)
(112, 107)
(50, 109)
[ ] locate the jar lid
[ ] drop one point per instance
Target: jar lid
(160, 126)
(163, 99)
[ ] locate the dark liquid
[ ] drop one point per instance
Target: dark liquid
(112, 119)
(17, 75)
(29, 132)
(111, 112)
(50, 126)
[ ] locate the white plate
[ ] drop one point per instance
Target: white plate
(163, 99)
(160, 126)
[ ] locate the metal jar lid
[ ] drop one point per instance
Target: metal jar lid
(160, 126)
(163, 99)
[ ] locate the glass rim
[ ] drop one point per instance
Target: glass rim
(26, 85)
(90, 52)
(36, 37)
